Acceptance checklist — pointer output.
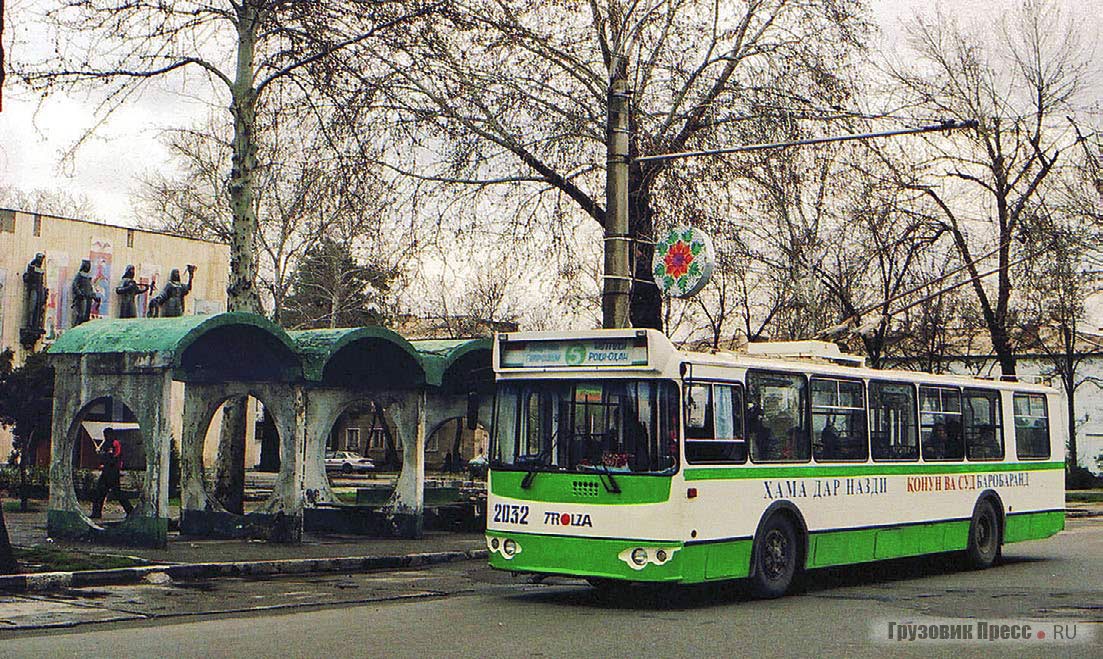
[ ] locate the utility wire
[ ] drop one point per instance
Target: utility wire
(949, 124)
(873, 307)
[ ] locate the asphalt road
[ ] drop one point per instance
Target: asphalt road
(465, 609)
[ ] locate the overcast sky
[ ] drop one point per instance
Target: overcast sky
(107, 169)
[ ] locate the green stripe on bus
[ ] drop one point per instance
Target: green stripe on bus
(731, 559)
(548, 487)
(822, 471)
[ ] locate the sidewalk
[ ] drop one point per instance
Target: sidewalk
(188, 558)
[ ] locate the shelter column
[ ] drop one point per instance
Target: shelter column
(407, 504)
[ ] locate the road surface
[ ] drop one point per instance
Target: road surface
(465, 609)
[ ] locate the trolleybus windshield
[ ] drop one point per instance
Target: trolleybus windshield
(622, 426)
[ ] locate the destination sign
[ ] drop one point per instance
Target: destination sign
(602, 352)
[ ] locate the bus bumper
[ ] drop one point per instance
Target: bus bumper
(625, 559)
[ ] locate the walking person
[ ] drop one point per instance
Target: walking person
(111, 464)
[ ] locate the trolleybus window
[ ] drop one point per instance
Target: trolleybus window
(1031, 426)
(892, 410)
(838, 420)
(714, 424)
(983, 428)
(586, 425)
(940, 423)
(776, 419)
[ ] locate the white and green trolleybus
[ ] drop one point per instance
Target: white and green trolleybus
(617, 458)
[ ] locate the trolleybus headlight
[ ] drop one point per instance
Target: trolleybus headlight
(494, 543)
(509, 547)
(639, 556)
(660, 555)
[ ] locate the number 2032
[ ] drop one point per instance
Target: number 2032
(506, 513)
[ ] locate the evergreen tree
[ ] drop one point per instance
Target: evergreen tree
(333, 288)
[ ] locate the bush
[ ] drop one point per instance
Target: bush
(1079, 478)
(38, 481)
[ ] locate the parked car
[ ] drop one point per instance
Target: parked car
(347, 462)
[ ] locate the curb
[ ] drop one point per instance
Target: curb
(243, 569)
(1074, 513)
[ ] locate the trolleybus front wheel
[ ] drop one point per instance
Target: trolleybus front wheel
(775, 558)
(984, 536)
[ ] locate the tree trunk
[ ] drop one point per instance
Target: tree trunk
(242, 293)
(1068, 380)
(243, 107)
(457, 446)
(229, 484)
(1002, 348)
(8, 564)
(390, 451)
(1070, 402)
(269, 445)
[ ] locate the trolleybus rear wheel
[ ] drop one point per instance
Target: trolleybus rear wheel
(985, 537)
(775, 558)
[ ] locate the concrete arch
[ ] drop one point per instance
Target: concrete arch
(306, 379)
(77, 385)
(323, 409)
(280, 518)
(67, 495)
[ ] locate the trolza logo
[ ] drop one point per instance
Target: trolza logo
(567, 519)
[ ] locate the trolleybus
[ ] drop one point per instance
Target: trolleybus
(618, 458)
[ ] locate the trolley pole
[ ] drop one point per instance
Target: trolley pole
(617, 284)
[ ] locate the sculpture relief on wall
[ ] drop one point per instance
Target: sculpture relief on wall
(83, 293)
(169, 303)
(128, 290)
(34, 302)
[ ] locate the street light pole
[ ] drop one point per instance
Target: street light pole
(618, 279)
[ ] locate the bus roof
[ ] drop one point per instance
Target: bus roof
(666, 359)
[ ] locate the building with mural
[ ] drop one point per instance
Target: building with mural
(110, 249)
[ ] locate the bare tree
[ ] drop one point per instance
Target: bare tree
(312, 186)
(1060, 280)
(514, 93)
(57, 202)
(1056, 295)
(936, 325)
(1016, 87)
(245, 49)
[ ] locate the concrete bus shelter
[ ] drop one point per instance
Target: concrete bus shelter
(305, 380)
(421, 384)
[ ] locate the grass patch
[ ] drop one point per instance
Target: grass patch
(1084, 496)
(33, 505)
(345, 496)
(43, 559)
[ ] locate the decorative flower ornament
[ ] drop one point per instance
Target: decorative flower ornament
(683, 262)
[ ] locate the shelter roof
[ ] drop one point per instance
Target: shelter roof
(168, 337)
(445, 359)
(318, 346)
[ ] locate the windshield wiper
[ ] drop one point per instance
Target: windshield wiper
(610, 487)
(526, 482)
